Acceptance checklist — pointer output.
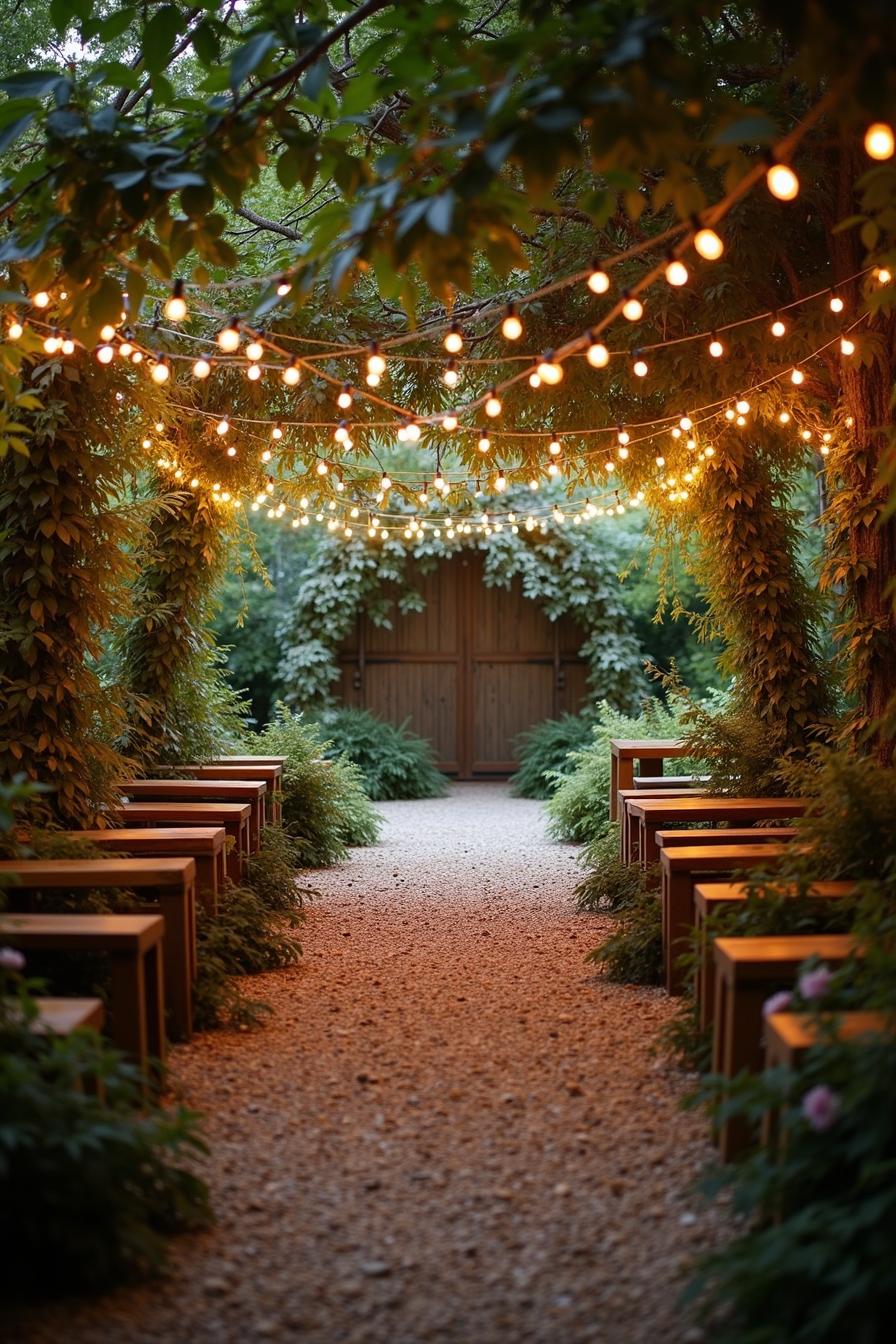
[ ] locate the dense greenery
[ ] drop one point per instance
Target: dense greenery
(394, 762)
(544, 754)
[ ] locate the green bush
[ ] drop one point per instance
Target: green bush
(325, 808)
(93, 1178)
(608, 884)
(271, 873)
(579, 809)
(394, 762)
(633, 953)
(543, 754)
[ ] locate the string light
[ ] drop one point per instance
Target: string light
(345, 398)
(161, 369)
(500, 482)
(847, 347)
(835, 302)
(105, 354)
(253, 373)
(716, 348)
(676, 272)
(106, 333)
(385, 483)
(284, 285)
(176, 307)
(784, 418)
(797, 376)
(742, 406)
(255, 349)
(511, 327)
(778, 327)
(484, 442)
(554, 448)
(493, 405)
(598, 280)
(376, 365)
(449, 421)
(879, 141)
(548, 370)
(15, 330)
(125, 348)
(68, 346)
(277, 431)
(708, 244)
(782, 182)
(882, 275)
(597, 353)
(639, 368)
(223, 427)
(229, 337)
(231, 451)
(52, 343)
(622, 435)
(202, 367)
(454, 341)
(40, 299)
(632, 308)
(450, 375)
(291, 374)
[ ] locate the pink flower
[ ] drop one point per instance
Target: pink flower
(10, 959)
(815, 984)
(777, 1003)
(821, 1107)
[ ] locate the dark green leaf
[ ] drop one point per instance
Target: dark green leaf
(159, 37)
(249, 56)
(31, 83)
(123, 181)
(441, 213)
(316, 79)
(10, 134)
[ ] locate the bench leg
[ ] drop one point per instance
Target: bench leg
(648, 849)
(154, 980)
(130, 1030)
(207, 881)
(178, 909)
(678, 920)
(743, 1050)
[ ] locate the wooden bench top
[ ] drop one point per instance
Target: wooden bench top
(60, 1017)
(107, 872)
(626, 795)
(717, 893)
(180, 839)
(760, 958)
(642, 782)
(200, 790)
(647, 748)
(222, 813)
(799, 1031)
(734, 835)
(250, 772)
(91, 933)
(715, 808)
(248, 760)
(697, 857)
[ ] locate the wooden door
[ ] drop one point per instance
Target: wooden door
(470, 671)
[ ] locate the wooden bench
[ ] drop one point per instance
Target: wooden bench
(171, 883)
(712, 896)
(60, 1017)
(204, 791)
(650, 756)
(628, 825)
(656, 814)
(732, 835)
(681, 866)
(205, 845)
(788, 1036)
(272, 775)
(232, 817)
(248, 760)
(747, 972)
(133, 944)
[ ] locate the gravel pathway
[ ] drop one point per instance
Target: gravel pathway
(451, 1130)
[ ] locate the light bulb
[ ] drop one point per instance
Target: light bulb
(708, 243)
(291, 374)
(105, 354)
(68, 346)
(778, 327)
(254, 350)
(782, 182)
(229, 338)
(222, 427)
(106, 333)
(549, 371)
(847, 347)
(372, 379)
(742, 407)
(554, 448)
(137, 357)
(161, 370)
(598, 280)
(253, 373)
(639, 368)
(597, 353)
(283, 286)
(454, 341)
(609, 466)
(805, 435)
(40, 299)
(553, 469)
(633, 308)
(882, 275)
(202, 368)
(623, 436)
(344, 400)
(375, 361)
(836, 303)
(385, 483)
(125, 349)
(797, 376)
(266, 455)
(784, 418)
(623, 453)
(52, 344)
(484, 443)
(231, 451)
(322, 468)
(716, 348)
(879, 141)
(277, 431)
(493, 404)
(660, 460)
(535, 380)
(511, 327)
(686, 422)
(450, 375)
(412, 431)
(176, 307)
(676, 272)
(15, 330)
(449, 421)
(500, 482)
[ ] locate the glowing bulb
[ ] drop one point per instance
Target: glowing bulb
(511, 327)
(283, 287)
(639, 368)
(229, 338)
(784, 418)
(623, 453)
(554, 448)
(277, 431)
(676, 272)
(609, 466)
(847, 347)
(223, 427)
(68, 346)
(729, 413)
(879, 141)
(385, 483)
(778, 327)
(105, 354)
(782, 182)
(797, 376)
(52, 344)
(373, 379)
(500, 482)
(597, 354)
(836, 303)
(266, 455)
(493, 404)
(598, 280)
(454, 341)
(882, 275)
(660, 461)
(291, 374)
(161, 370)
(686, 422)
(137, 357)
(254, 350)
(202, 368)
(549, 371)
(535, 380)
(231, 451)
(40, 299)
(708, 243)
(716, 348)
(125, 349)
(15, 330)
(412, 431)
(253, 373)
(484, 443)
(106, 333)
(344, 400)
(632, 309)
(375, 362)
(450, 375)
(806, 435)
(176, 307)
(742, 407)
(449, 421)
(623, 436)
(553, 469)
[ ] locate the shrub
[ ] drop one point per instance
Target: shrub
(271, 873)
(393, 761)
(633, 953)
(325, 808)
(579, 809)
(543, 753)
(609, 884)
(91, 1186)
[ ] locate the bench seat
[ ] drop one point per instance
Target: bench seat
(205, 845)
(205, 791)
(656, 814)
(234, 817)
(628, 825)
(650, 755)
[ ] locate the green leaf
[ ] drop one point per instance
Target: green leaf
(316, 79)
(440, 213)
(249, 56)
(160, 35)
(10, 134)
(31, 83)
(124, 181)
(756, 128)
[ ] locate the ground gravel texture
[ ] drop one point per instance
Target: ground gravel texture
(451, 1130)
